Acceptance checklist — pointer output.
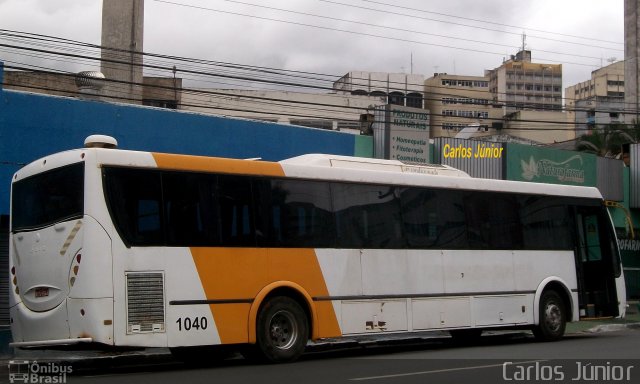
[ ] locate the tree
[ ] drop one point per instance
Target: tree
(608, 141)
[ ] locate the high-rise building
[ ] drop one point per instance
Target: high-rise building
(598, 101)
(457, 101)
(520, 84)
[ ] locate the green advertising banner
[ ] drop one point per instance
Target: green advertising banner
(545, 165)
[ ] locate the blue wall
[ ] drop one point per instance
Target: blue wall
(34, 125)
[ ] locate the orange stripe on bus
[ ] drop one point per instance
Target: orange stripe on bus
(216, 164)
(241, 273)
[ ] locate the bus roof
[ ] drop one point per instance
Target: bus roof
(313, 166)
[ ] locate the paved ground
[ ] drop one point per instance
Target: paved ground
(162, 355)
(497, 358)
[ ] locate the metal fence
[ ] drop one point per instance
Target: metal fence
(464, 159)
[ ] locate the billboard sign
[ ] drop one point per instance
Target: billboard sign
(402, 133)
(544, 165)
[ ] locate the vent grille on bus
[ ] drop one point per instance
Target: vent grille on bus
(145, 302)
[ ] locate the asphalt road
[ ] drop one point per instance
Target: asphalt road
(514, 358)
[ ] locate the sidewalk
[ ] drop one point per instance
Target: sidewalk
(632, 318)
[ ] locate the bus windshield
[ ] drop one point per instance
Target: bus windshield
(48, 198)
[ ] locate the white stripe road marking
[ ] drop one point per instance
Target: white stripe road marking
(440, 371)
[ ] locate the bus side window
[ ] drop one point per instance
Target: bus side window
(546, 223)
(493, 221)
(419, 217)
(148, 217)
(301, 214)
(134, 198)
(234, 197)
(191, 217)
(367, 216)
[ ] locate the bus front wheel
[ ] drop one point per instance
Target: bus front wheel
(553, 317)
(282, 330)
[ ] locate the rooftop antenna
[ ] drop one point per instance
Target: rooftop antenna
(412, 62)
(524, 40)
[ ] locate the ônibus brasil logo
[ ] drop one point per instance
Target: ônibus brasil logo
(24, 371)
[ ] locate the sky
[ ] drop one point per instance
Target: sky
(334, 37)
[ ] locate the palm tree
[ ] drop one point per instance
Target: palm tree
(608, 142)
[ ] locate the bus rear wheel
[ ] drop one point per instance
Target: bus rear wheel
(553, 317)
(282, 330)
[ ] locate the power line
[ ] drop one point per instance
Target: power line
(298, 74)
(493, 23)
(347, 31)
(206, 73)
(471, 119)
(464, 25)
(398, 29)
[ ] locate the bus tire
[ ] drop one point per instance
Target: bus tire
(282, 330)
(553, 317)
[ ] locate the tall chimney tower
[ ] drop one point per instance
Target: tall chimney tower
(631, 54)
(122, 30)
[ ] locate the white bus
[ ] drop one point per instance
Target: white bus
(130, 248)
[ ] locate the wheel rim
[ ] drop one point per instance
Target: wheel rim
(553, 316)
(283, 330)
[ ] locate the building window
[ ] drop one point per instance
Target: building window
(414, 100)
(396, 98)
(169, 104)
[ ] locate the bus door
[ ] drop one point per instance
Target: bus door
(597, 263)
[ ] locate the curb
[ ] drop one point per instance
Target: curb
(611, 328)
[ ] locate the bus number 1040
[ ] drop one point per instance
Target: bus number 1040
(188, 323)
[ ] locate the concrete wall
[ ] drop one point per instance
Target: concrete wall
(51, 83)
(286, 107)
(541, 126)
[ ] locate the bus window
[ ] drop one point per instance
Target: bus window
(134, 197)
(190, 213)
(367, 216)
(48, 198)
(493, 221)
(235, 203)
(433, 218)
(546, 223)
(300, 213)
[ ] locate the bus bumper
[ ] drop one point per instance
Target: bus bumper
(73, 321)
